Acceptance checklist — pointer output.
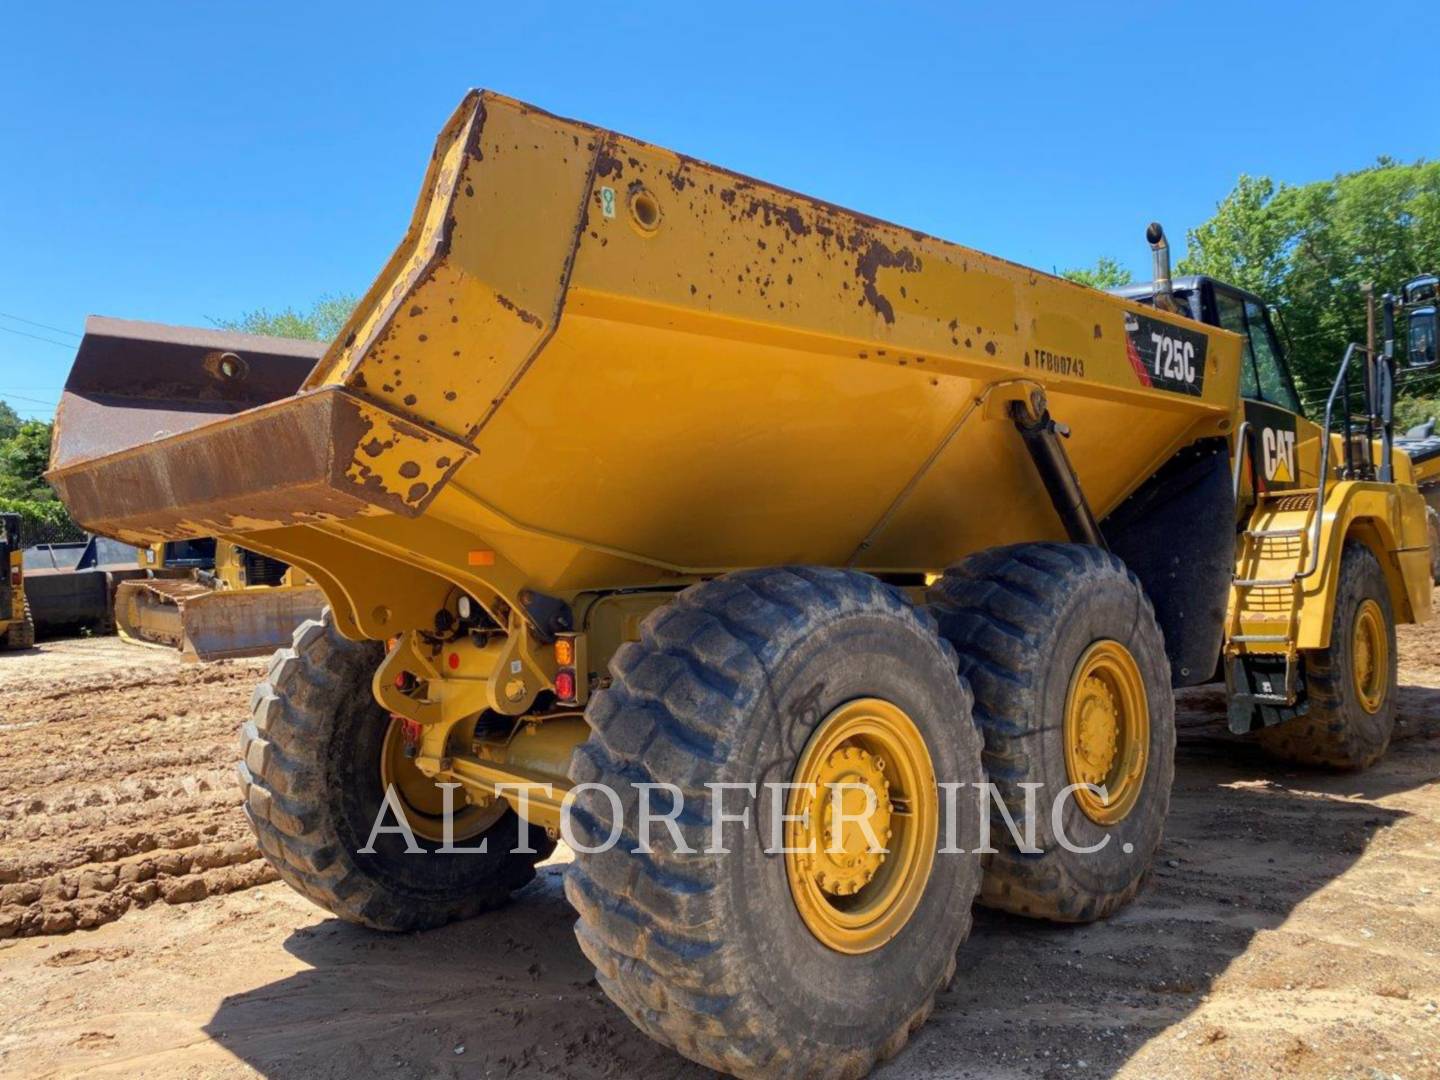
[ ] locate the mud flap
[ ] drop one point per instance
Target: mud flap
(1177, 533)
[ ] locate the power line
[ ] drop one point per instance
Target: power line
(7, 396)
(37, 337)
(41, 325)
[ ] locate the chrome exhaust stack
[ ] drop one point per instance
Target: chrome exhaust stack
(1164, 292)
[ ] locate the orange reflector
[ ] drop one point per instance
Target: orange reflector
(565, 651)
(482, 558)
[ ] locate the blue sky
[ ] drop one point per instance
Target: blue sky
(185, 162)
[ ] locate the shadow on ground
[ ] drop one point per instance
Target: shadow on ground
(510, 994)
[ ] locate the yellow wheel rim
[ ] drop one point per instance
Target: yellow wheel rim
(867, 761)
(1370, 656)
(1107, 732)
(424, 800)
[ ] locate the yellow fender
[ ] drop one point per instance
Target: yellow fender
(1390, 521)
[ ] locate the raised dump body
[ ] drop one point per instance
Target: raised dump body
(611, 365)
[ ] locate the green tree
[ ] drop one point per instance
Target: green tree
(1107, 273)
(24, 455)
(9, 421)
(1309, 249)
(320, 323)
(42, 520)
(23, 460)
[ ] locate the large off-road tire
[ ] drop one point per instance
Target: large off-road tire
(21, 635)
(1351, 713)
(711, 954)
(1023, 620)
(310, 772)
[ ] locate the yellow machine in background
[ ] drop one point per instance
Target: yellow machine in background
(214, 600)
(631, 474)
(17, 628)
(1422, 445)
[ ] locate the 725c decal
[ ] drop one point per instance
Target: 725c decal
(1164, 355)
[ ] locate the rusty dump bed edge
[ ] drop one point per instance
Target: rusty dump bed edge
(137, 426)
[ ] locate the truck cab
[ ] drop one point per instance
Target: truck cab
(1282, 444)
(1266, 375)
(1305, 490)
(1419, 297)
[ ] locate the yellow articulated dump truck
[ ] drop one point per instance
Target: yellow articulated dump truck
(17, 628)
(777, 557)
(214, 600)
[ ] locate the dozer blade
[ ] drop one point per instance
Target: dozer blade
(213, 624)
(247, 622)
(149, 611)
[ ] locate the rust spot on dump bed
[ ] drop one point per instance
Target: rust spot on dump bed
(510, 305)
(789, 216)
(608, 165)
(878, 256)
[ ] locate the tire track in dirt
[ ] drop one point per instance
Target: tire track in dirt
(1290, 926)
(116, 767)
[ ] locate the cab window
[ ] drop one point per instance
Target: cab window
(1263, 375)
(199, 553)
(1275, 385)
(1231, 312)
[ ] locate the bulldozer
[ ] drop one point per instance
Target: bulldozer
(17, 627)
(644, 493)
(214, 600)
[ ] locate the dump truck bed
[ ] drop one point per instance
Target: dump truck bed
(602, 362)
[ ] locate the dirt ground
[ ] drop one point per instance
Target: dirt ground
(1291, 927)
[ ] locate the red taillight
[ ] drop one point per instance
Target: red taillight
(565, 685)
(454, 661)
